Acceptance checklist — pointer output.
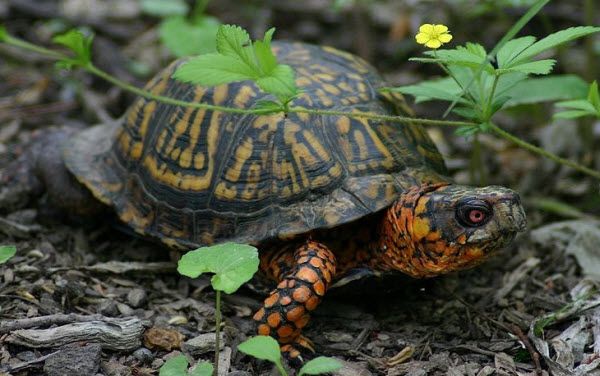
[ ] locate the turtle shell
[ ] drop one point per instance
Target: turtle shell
(195, 177)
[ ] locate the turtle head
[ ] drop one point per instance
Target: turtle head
(443, 228)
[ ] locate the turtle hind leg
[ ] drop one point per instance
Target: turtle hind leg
(40, 168)
(304, 277)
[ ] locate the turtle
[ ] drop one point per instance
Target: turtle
(323, 197)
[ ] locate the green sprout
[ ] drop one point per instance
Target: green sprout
(178, 366)
(266, 348)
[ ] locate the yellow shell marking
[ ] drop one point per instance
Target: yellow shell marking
(242, 153)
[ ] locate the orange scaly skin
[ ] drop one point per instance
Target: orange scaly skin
(418, 235)
(302, 285)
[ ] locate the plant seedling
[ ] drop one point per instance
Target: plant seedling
(266, 348)
(178, 366)
(232, 265)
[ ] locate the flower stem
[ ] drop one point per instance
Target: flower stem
(217, 332)
(537, 150)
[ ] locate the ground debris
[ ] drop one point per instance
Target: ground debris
(74, 360)
(123, 334)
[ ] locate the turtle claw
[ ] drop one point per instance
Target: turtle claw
(295, 353)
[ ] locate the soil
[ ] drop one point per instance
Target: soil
(476, 322)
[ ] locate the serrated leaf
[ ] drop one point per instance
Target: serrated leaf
(213, 69)
(265, 56)
(594, 96)
(162, 8)
(175, 366)
(234, 41)
(472, 55)
(545, 89)
(280, 82)
(444, 89)
(512, 49)
(79, 44)
(7, 252)
(554, 40)
(580, 104)
(199, 34)
(532, 67)
(202, 369)
(319, 366)
(573, 114)
(262, 347)
(232, 264)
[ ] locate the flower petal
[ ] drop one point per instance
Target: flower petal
(433, 43)
(445, 38)
(439, 29)
(426, 28)
(422, 38)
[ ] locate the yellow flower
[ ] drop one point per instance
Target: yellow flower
(433, 36)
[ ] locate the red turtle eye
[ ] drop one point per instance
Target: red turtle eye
(473, 212)
(476, 216)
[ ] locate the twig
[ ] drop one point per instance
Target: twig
(516, 330)
(57, 319)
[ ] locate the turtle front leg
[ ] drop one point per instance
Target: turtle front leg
(304, 276)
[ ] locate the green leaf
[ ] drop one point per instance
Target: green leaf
(7, 252)
(162, 8)
(320, 365)
(175, 366)
(545, 89)
(579, 104)
(3, 33)
(512, 49)
(233, 265)
(202, 369)
(532, 67)
(213, 69)
(573, 114)
(472, 55)
(280, 82)
(264, 54)
(594, 96)
(467, 113)
(79, 44)
(444, 89)
(234, 41)
(200, 35)
(467, 130)
(262, 347)
(554, 40)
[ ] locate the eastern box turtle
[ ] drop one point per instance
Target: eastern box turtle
(321, 196)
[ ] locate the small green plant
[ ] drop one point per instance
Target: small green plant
(581, 107)
(239, 59)
(6, 253)
(488, 89)
(184, 32)
(266, 348)
(232, 265)
(178, 366)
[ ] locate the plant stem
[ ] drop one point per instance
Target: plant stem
(217, 332)
(488, 110)
(537, 150)
(280, 368)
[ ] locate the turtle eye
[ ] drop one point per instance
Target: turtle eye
(473, 213)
